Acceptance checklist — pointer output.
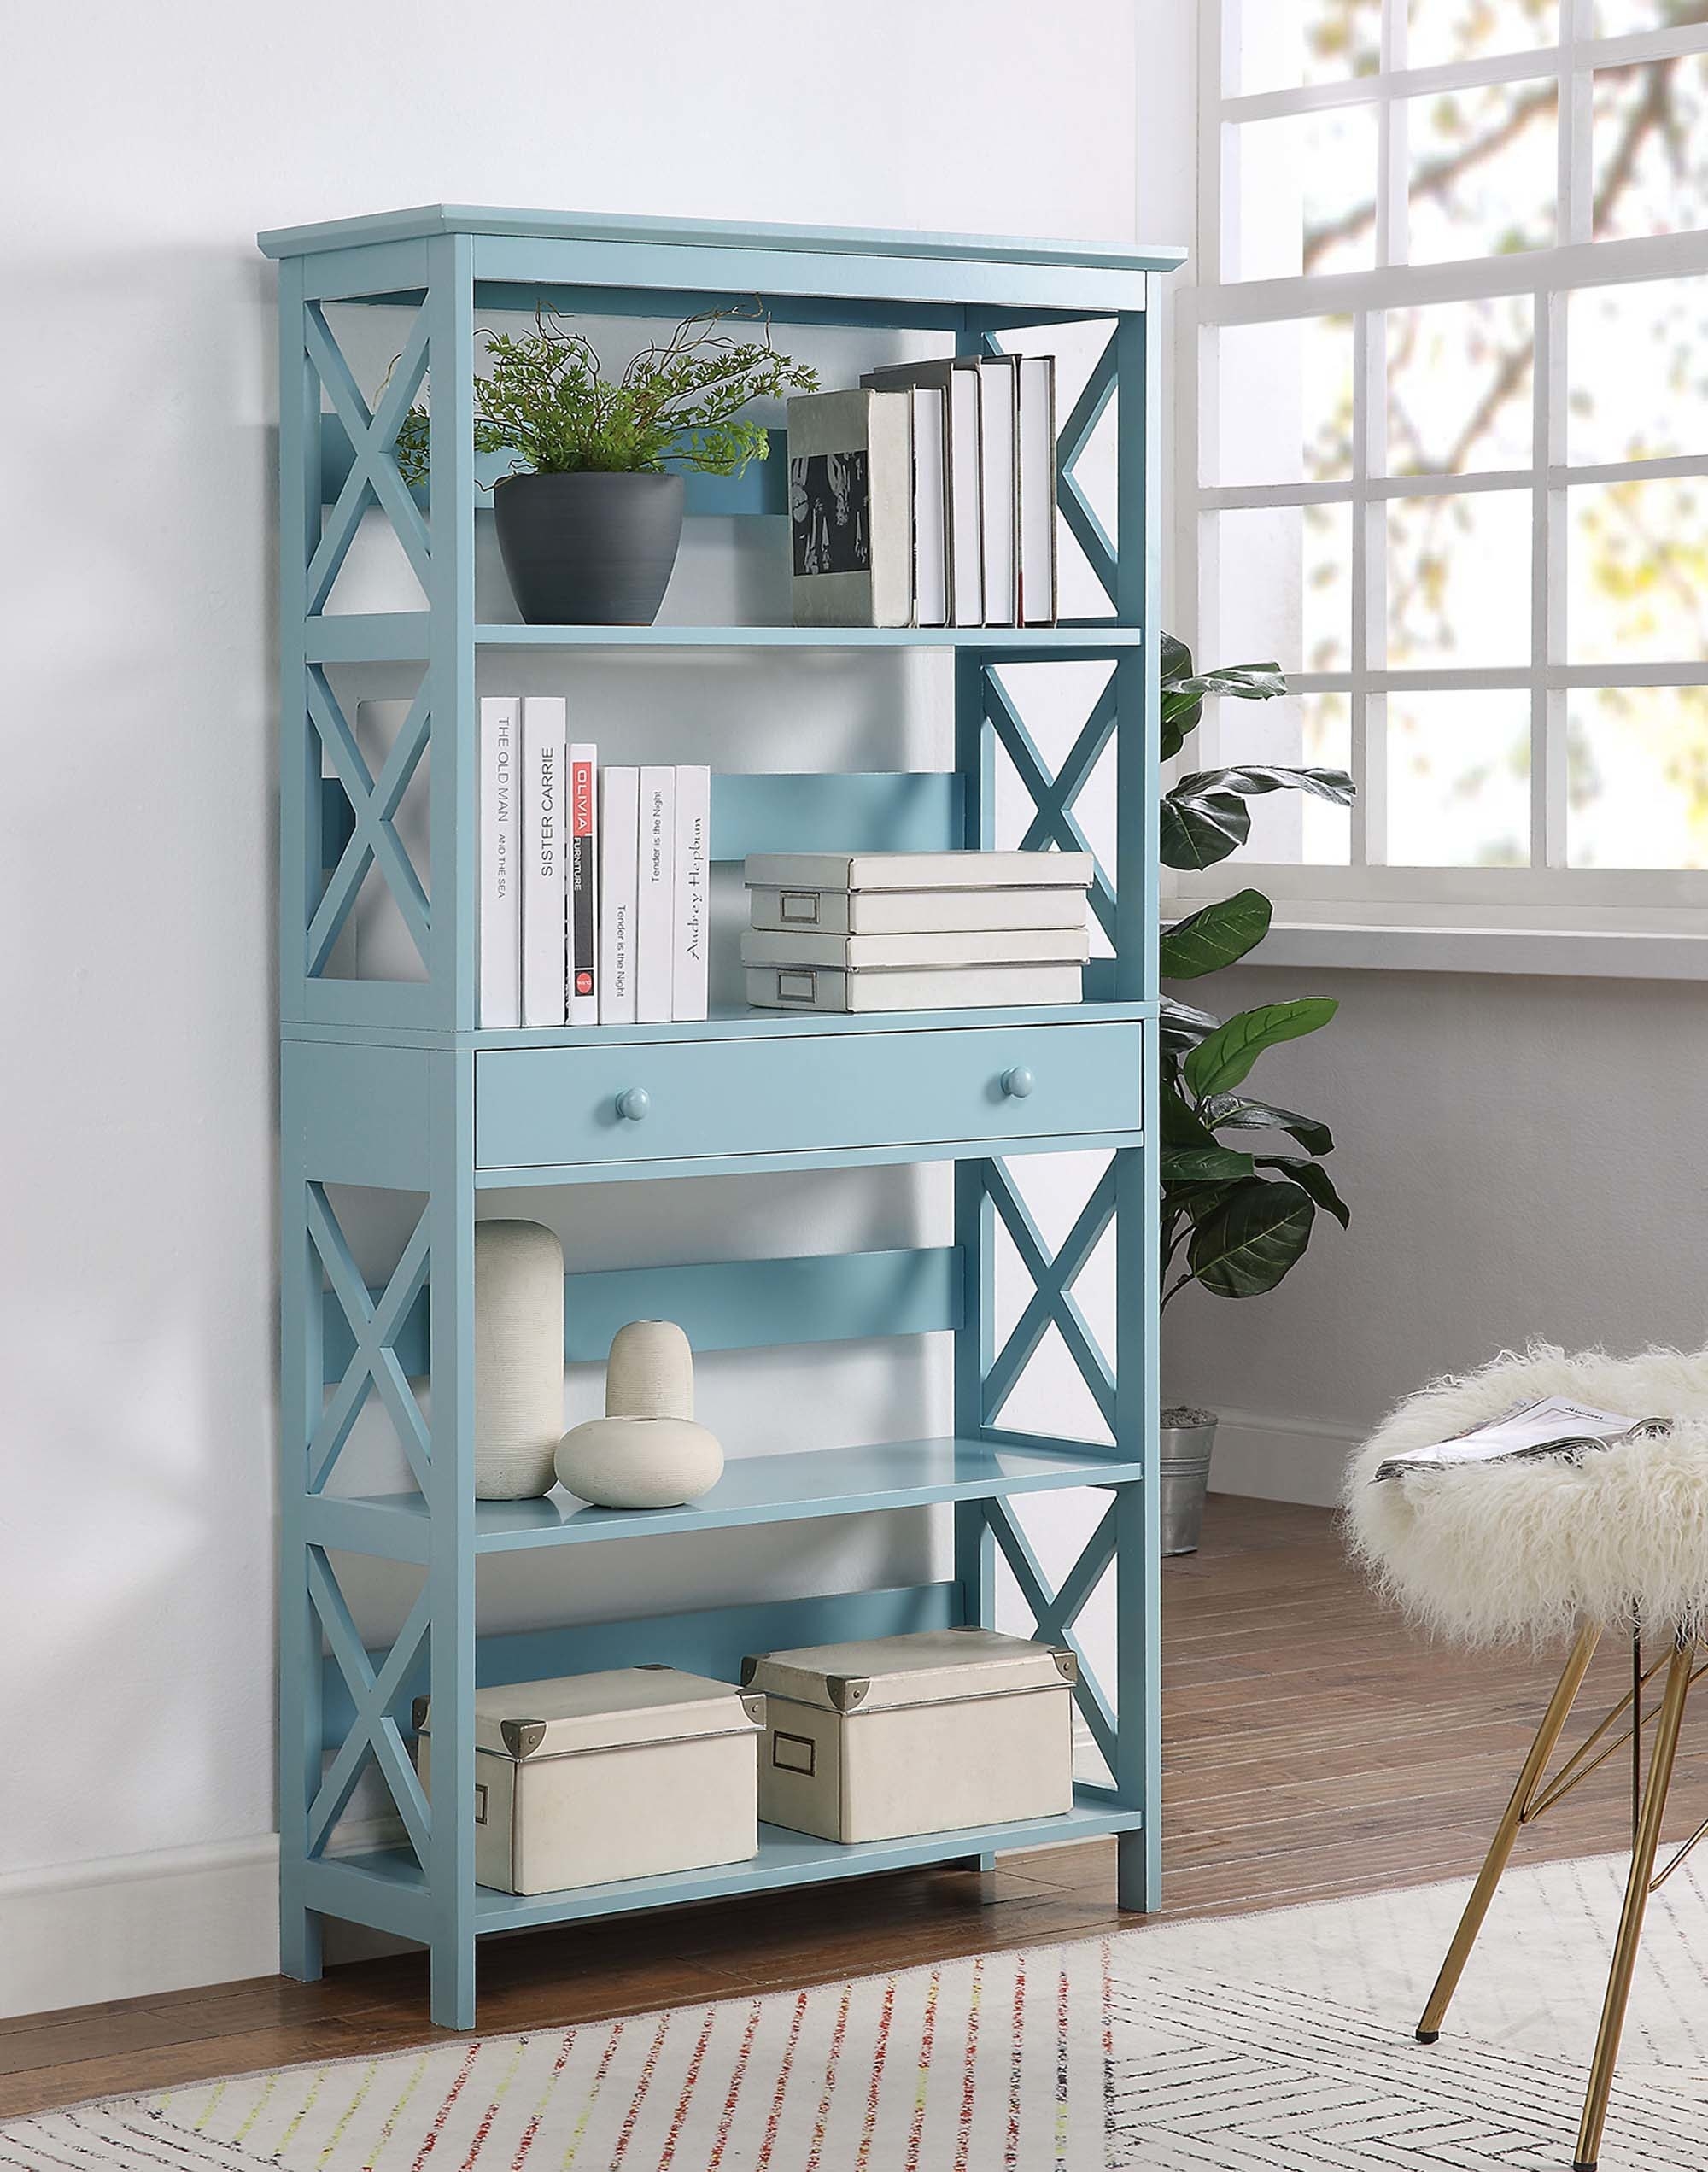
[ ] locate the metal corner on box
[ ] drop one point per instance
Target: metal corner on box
(847, 1690)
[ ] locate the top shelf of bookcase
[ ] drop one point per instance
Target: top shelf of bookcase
(808, 274)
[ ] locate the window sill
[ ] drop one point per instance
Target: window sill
(1455, 944)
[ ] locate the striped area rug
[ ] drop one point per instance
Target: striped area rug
(1275, 2040)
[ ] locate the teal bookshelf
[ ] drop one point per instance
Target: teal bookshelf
(388, 1083)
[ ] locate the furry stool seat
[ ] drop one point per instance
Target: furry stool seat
(1526, 1552)
(1544, 1548)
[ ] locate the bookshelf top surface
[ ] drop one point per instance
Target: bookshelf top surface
(425, 221)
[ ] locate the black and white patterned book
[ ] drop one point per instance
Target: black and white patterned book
(851, 508)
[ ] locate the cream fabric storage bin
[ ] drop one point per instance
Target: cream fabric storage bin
(916, 1734)
(619, 1774)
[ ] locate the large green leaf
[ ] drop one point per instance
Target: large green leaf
(1252, 779)
(1183, 1027)
(1179, 1125)
(1196, 832)
(1316, 1181)
(1233, 1112)
(1204, 1164)
(1215, 936)
(1252, 1239)
(1184, 691)
(1223, 1059)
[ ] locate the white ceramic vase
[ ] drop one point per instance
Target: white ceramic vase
(646, 1451)
(518, 1359)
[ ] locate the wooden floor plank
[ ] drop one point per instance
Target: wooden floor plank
(1314, 1748)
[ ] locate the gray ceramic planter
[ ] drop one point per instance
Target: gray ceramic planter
(588, 550)
(1187, 1438)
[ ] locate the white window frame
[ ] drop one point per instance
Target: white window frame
(1662, 913)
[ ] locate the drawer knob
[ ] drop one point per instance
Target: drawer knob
(1018, 1082)
(633, 1103)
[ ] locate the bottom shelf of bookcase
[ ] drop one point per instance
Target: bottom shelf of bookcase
(386, 1889)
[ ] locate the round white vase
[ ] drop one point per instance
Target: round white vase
(639, 1462)
(649, 1371)
(518, 1359)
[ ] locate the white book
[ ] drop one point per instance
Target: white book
(619, 859)
(544, 861)
(854, 953)
(500, 895)
(907, 912)
(655, 920)
(1554, 1426)
(956, 377)
(809, 987)
(1036, 469)
(694, 891)
(582, 912)
(930, 511)
(998, 403)
(851, 508)
(966, 870)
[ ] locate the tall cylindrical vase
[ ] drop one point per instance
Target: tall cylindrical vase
(518, 1359)
(1184, 1471)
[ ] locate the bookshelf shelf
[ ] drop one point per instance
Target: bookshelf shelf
(389, 1086)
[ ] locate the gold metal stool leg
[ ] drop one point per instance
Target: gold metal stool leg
(1637, 1890)
(1506, 1832)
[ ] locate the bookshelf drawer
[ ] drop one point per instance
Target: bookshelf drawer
(671, 1101)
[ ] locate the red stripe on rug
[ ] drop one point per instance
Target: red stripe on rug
(648, 2069)
(736, 2081)
(444, 2112)
(837, 2037)
(681, 2113)
(771, 2124)
(879, 2052)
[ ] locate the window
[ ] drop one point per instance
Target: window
(1444, 442)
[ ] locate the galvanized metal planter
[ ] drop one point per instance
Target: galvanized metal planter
(1184, 1475)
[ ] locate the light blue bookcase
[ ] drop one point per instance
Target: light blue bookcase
(388, 1083)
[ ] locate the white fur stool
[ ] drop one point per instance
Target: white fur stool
(1533, 1551)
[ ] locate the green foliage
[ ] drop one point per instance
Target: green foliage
(1233, 1220)
(547, 400)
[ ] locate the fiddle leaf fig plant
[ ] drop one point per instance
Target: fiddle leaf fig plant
(547, 400)
(1235, 1219)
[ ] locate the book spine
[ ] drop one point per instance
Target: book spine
(501, 912)
(583, 765)
(694, 892)
(543, 888)
(656, 947)
(619, 854)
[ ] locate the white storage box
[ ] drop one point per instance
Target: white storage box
(620, 1774)
(918, 1734)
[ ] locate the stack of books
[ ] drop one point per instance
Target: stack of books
(914, 931)
(594, 884)
(927, 497)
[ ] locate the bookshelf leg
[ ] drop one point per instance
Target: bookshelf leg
(1138, 1887)
(453, 1971)
(299, 1943)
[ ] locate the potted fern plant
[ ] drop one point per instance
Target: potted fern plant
(590, 519)
(1235, 1218)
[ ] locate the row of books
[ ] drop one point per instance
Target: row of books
(914, 931)
(594, 884)
(928, 496)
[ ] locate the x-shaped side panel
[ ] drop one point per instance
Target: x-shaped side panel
(1087, 530)
(1054, 796)
(1056, 1611)
(374, 1363)
(1053, 1298)
(374, 1728)
(373, 803)
(373, 437)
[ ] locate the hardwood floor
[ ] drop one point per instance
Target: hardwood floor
(1314, 1748)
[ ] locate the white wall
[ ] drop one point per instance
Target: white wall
(143, 149)
(1524, 1159)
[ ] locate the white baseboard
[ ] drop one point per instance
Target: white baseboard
(129, 1926)
(1282, 1459)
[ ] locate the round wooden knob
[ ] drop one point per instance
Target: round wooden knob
(1018, 1082)
(633, 1103)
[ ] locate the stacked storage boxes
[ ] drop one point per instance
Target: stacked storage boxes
(914, 931)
